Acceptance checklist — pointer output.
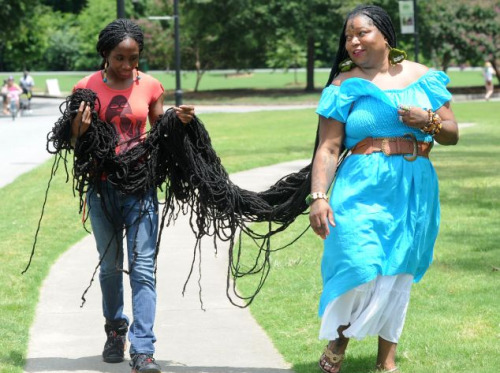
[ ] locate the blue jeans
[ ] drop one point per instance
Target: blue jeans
(111, 213)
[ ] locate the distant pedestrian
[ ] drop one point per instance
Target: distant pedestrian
(27, 83)
(488, 73)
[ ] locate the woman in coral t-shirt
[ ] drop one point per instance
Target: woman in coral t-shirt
(127, 98)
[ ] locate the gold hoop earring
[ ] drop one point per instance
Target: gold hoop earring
(105, 72)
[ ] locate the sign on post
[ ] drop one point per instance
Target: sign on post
(407, 17)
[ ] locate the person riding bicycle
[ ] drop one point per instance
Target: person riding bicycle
(12, 92)
(4, 97)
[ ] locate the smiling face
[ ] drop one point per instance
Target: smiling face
(123, 59)
(365, 44)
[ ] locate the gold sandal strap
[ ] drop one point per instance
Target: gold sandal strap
(393, 370)
(332, 357)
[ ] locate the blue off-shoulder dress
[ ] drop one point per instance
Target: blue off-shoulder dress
(386, 208)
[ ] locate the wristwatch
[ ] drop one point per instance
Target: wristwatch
(314, 196)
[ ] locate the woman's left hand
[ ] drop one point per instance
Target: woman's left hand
(413, 116)
(185, 113)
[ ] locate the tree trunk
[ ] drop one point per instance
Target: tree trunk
(446, 62)
(310, 64)
(199, 75)
(199, 70)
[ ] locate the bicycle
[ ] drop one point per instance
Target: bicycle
(13, 109)
(24, 104)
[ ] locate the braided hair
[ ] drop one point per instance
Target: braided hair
(114, 33)
(180, 161)
(382, 22)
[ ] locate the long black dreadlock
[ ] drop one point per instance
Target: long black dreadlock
(180, 159)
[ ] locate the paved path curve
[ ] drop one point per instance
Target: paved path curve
(222, 339)
(67, 338)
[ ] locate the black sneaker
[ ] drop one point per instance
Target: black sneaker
(114, 348)
(144, 363)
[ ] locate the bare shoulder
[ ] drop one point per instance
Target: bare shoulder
(343, 76)
(414, 70)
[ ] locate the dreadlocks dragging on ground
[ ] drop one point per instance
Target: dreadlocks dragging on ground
(387, 111)
(118, 169)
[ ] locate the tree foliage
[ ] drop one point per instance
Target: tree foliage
(219, 34)
(66, 6)
(461, 31)
(236, 34)
(12, 16)
(308, 24)
(287, 54)
(63, 49)
(93, 18)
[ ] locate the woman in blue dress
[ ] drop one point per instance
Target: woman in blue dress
(381, 221)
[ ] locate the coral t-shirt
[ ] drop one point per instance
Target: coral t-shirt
(127, 109)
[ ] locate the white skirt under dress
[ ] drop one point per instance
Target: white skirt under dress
(375, 308)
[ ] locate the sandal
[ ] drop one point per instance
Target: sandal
(330, 360)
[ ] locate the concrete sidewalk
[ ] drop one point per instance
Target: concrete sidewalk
(222, 339)
(67, 338)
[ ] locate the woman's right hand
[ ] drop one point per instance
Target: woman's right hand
(185, 113)
(320, 217)
(81, 122)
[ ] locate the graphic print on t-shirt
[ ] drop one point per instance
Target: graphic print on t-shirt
(128, 127)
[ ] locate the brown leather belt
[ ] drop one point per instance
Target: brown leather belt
(407, 144)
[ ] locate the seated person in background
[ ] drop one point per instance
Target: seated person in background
(27, 83)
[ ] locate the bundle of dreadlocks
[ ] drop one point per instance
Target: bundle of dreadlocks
(181, 159)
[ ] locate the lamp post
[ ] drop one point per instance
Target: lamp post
(415, 9)
(120, 8)
(178, 90)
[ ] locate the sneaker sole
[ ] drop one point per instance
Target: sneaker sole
(113, 360)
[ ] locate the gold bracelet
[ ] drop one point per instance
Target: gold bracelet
(433, 125)
(439, 125)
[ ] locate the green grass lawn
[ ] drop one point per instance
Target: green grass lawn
(241, 87)
(453, 321)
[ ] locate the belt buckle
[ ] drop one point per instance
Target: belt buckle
(411, 136)
(384, 146)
